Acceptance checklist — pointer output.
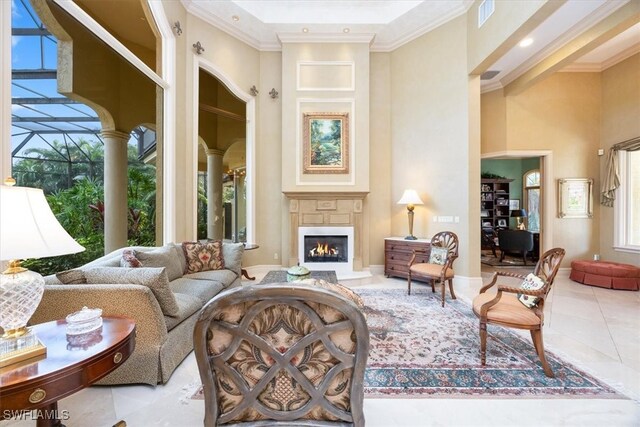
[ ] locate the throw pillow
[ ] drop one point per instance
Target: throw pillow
(162, 257)
(155, 279)
(72, 277)
(129, 259)
(337, 288)
(533, 283)
(203, 256)
(438, 255)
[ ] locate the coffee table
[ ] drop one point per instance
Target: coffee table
(277, 276)
(71, 364)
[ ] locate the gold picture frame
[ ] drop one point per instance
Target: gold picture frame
(325, 143)
(575, 198)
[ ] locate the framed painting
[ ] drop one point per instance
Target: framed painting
(575, 199)
(325, 143)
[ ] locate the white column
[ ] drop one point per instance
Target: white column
(214, 193)
(115, 189)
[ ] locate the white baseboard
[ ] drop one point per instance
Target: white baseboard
(467, 281)
(376, 269)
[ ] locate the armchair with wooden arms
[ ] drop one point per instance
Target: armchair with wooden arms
(505, 309)
(436, 272)
(282, 354)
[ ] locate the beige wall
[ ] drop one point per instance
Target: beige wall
(379, 203)
(620, 122)
(494, 122)
(561, 114)
(431, 129)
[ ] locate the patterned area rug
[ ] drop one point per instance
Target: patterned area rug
(420, 349)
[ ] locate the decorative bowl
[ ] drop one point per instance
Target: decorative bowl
(297, 272)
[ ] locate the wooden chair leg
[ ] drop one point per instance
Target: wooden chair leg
(433, 285)
(453, 294)
(409, 283)
(536, 336)
(444, 286)
(524, 257)
(483, 343)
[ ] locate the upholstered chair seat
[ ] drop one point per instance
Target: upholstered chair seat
(431, 270)
(508, 310)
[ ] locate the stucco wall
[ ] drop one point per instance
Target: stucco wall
(435, 149)
(620, 122)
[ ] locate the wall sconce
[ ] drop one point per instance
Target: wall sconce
(254, 91)
(177, 28)
(410, 198)
(273, 93)
(198, 47)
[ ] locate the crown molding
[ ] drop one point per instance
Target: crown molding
(412, 35)
(597, 67)
(490, 87)
(325, 38)
(596, 16)
(625, 54)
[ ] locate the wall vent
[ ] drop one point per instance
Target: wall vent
(488, 75)
(485, 10)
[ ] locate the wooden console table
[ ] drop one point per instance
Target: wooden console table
(71, 364)
(398, 252)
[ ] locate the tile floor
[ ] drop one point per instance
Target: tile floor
(595, 328)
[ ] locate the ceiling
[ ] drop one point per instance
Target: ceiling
(388, 24)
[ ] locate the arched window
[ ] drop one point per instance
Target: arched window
(531, 180)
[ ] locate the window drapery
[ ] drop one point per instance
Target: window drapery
(611, 180)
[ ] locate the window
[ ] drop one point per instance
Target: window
(531, 181)
(627, 202)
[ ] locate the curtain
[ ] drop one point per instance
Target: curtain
(611, 180)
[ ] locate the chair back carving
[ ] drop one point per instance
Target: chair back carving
(548, 266)
(446, 239)
(279, 353)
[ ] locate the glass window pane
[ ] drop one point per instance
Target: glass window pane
(533, 209)
(633, 198)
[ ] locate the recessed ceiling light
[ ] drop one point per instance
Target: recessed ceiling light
(235, 18)
(305, 30)
(526, 42)
(346, 30)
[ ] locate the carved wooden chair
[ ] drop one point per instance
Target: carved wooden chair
(505, 309)
(282, 354)
(433, 271)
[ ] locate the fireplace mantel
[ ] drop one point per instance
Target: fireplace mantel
(326, 209)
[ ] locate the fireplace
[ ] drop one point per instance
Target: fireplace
(326, 248)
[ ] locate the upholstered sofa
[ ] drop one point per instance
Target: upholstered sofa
(162, 341)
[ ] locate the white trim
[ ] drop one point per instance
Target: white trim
(350, 87)
(325, 37)
(488, 87)
(621, 208)
(376, 269)
(547, 188)
(199, 62)
(586, 67)
(5, 90)
(352, 140)
(89, 23)
(168, 122)
(467, 281)
(341, 268)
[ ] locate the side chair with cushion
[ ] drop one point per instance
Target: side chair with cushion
(519, 307)
(444, 251)
(282, 354)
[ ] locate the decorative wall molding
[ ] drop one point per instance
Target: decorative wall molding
(349, 87)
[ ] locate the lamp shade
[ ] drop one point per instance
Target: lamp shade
(518, 213)
(410, 197)
(28, 228)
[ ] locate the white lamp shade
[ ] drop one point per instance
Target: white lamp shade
(28, 228)
(410, 197)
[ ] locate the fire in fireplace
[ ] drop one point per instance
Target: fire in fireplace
(325, 249)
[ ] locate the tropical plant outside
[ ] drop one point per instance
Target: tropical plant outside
(71, 177)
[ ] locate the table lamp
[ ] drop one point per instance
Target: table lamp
(410, 198)
(518, 214)
(28, 229)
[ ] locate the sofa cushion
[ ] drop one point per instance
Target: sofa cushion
(180, 252)
(72, 277)
(187, 305)
(225, 277)
(203, 256)
(154, 278)
(232, 254)
(202, 289)
(162, 257)
(129, 259)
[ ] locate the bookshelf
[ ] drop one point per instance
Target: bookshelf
(494, 203)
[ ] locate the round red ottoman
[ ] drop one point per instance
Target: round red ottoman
(611, 275)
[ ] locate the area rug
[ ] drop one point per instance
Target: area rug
(508, 261)
(420, 349)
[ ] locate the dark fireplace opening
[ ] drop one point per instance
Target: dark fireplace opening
(325, 249)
